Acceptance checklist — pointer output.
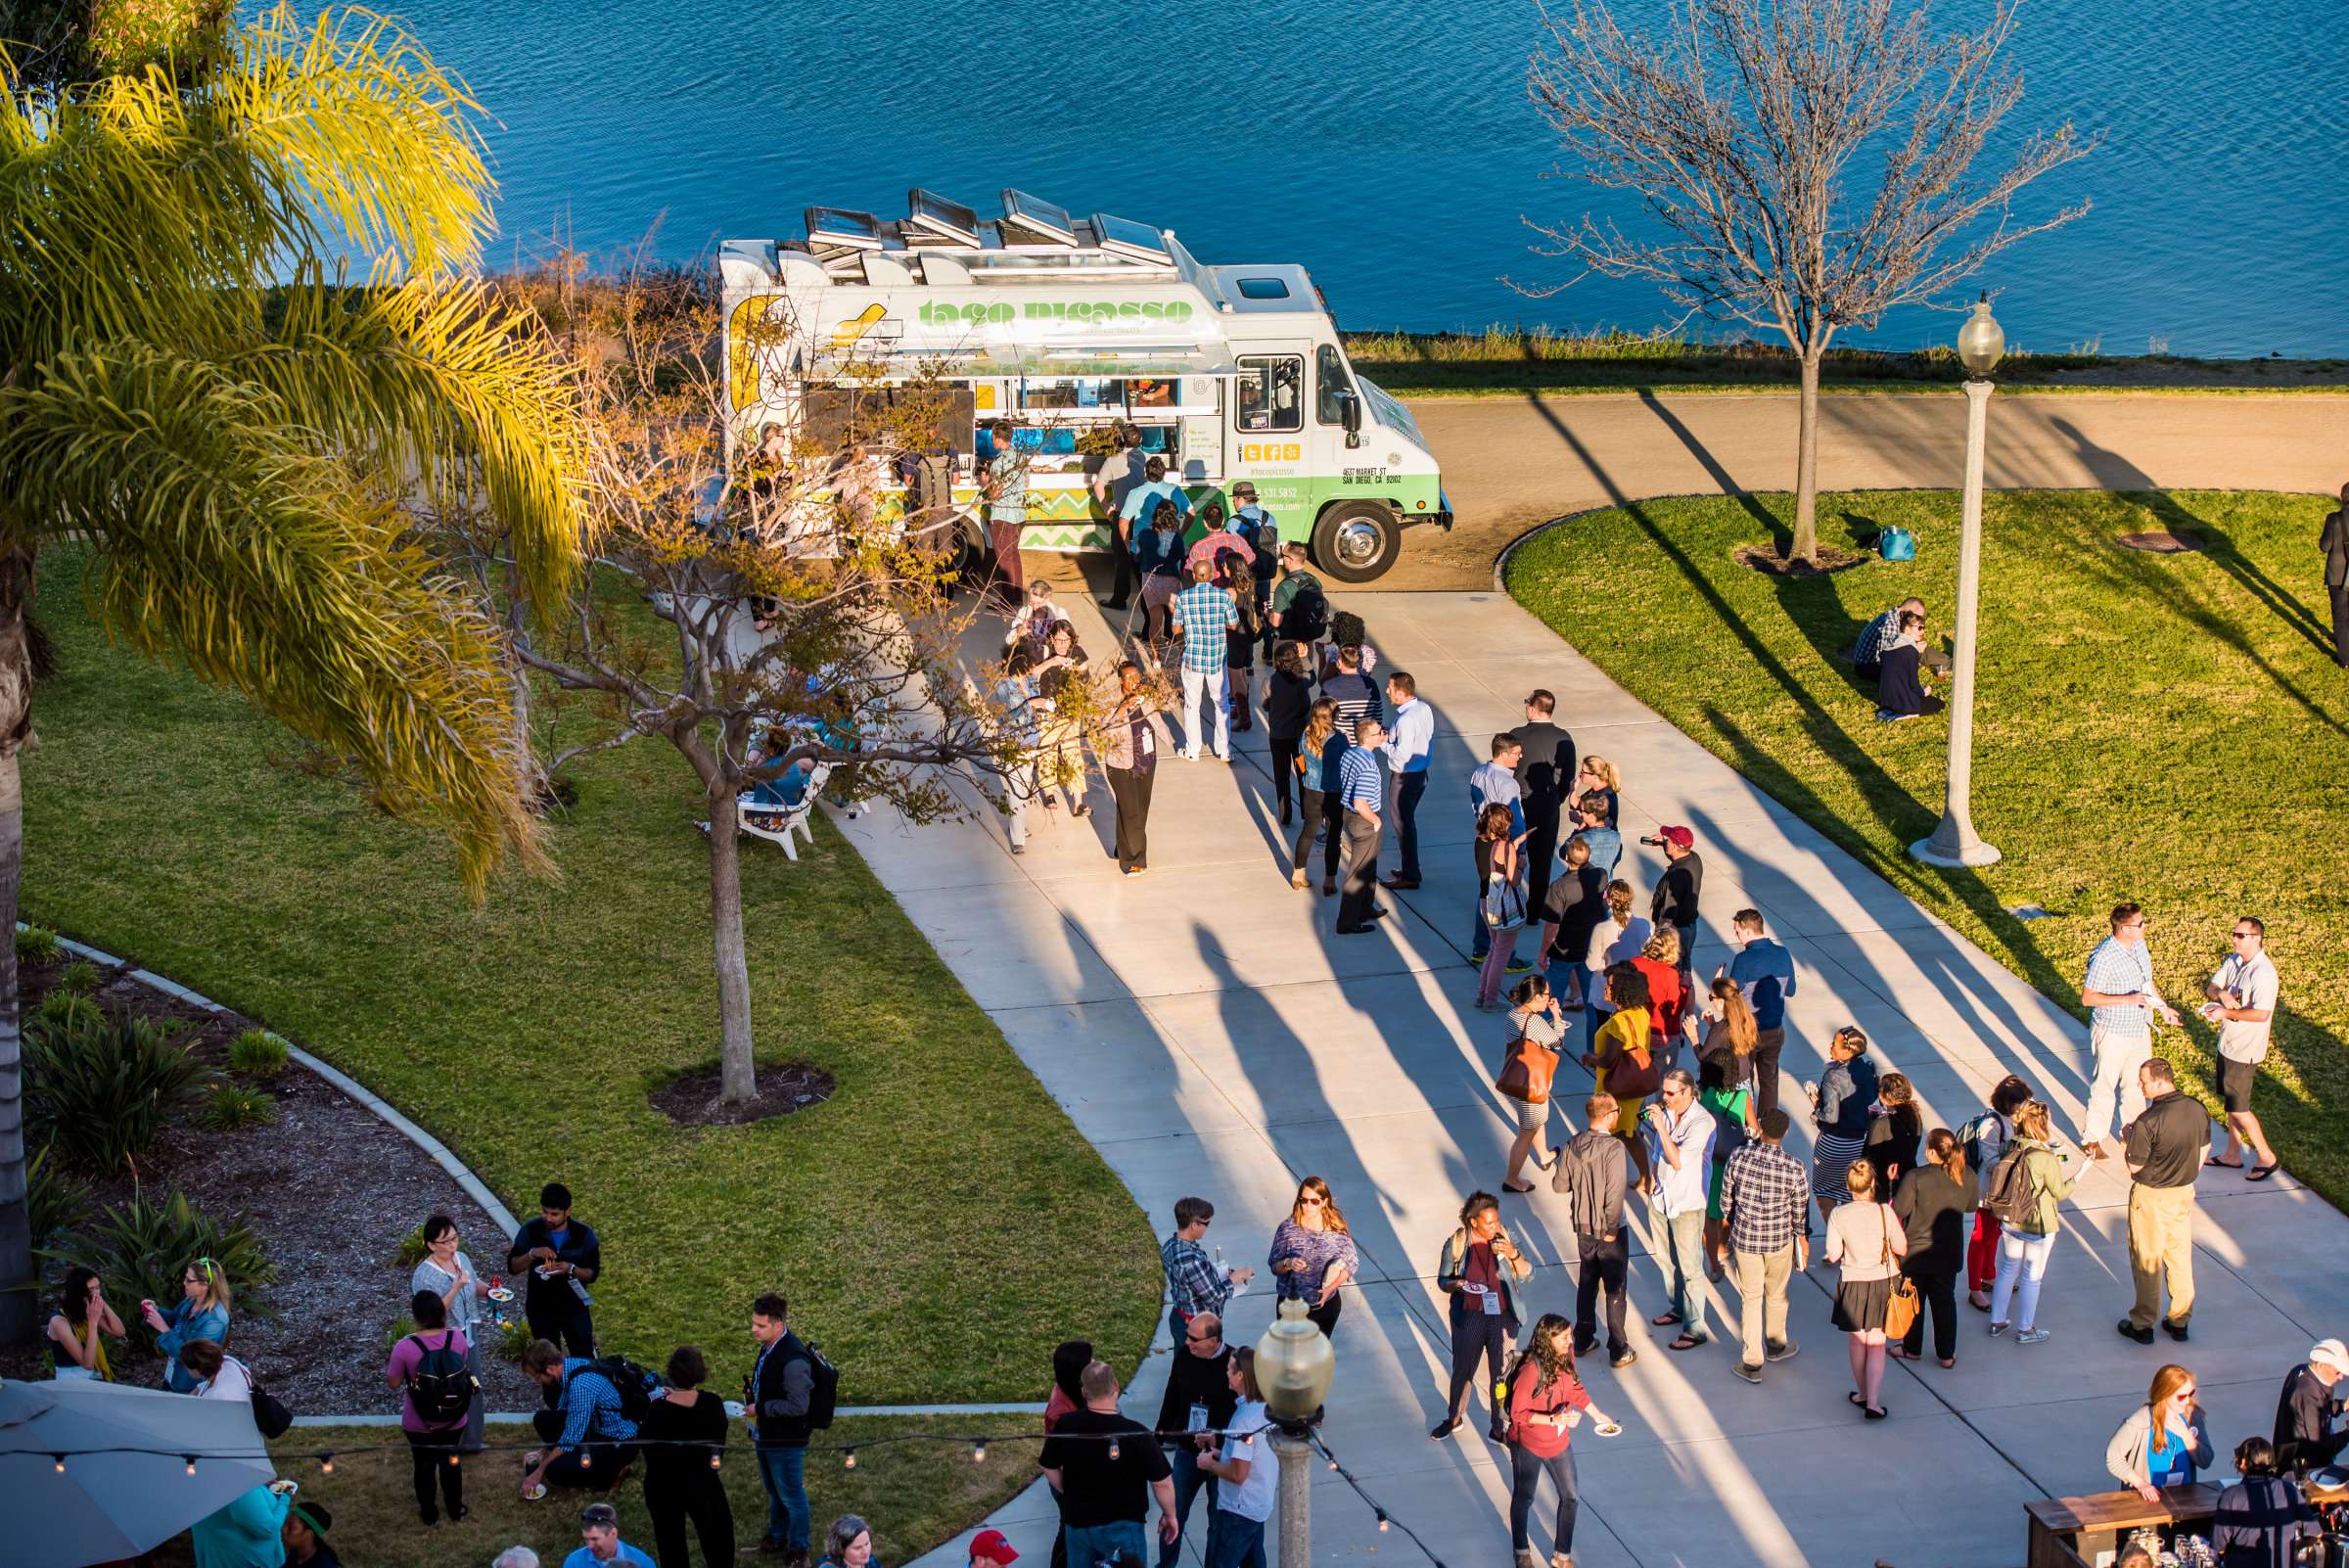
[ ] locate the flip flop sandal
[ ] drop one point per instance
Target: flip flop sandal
(1665, 1319)
(1506, 1187)
(2225, 1165)
(1874, 1413)
(2263, 1172)
(1854, 1397)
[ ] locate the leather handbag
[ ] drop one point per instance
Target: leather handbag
(1901, 1305)
(1526, 1074)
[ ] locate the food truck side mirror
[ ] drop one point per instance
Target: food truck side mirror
(1351, 403)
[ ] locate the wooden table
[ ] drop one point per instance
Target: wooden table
(2073, 1532)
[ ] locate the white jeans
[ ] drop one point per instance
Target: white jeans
(2118, 1057)
(1195, 684)
(2024, 1256)
(1018, 786)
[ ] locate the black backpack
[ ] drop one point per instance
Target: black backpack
(2011, 1196)
(632, 1382)
(440, 1386)
(823, 1390)
(1307, 619)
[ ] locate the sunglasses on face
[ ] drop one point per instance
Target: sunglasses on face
(1308, 1203)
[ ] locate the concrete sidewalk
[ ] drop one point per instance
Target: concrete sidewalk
(1203, 1027)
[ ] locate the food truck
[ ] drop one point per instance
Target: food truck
(1066, 327)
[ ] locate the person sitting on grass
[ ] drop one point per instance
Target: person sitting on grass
(1899, 685)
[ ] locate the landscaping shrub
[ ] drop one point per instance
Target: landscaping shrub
(410, 1251)
(57, 1201)
(257, 1054)
(401, 1327)
(232, 1106)
(511, 1340)
(64, 1007)
(35, 946)
(140, 1249)
(80, 977)
(98, 1090)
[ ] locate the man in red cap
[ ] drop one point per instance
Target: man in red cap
(988, 1549)
(1674, 902)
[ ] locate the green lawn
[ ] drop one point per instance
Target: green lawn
(937, 1225)
(2161, 728)
(914, 1494)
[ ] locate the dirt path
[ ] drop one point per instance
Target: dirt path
(1510, 465)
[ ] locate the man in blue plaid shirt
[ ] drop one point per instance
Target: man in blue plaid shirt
(1763, 1194)
(1203, 613)
(1197, 1284)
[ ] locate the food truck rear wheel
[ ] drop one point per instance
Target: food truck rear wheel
(1356, 540)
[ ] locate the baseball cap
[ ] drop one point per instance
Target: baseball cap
(599, 1516)
(990, 1544)
(2332, 1353)
(1677, 834)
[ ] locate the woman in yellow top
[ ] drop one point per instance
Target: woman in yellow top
(76, 1334)
(1620, 1057)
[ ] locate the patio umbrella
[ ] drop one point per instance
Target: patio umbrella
(108, 1506)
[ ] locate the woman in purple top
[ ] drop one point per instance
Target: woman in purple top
(432, 1443)
(1313, 1253)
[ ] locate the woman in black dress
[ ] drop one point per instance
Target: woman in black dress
(685, 1433)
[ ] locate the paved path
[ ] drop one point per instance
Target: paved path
(1511, 464)
(1209, 1036)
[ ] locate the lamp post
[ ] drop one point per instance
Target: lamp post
(1955, 842)
(1294, 1364)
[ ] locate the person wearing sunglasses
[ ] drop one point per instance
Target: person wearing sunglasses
(200, 1314)
(2241, 1002)
(2164, 1441)
(1199, 1398)
(1313, 1253)
(2118, 992)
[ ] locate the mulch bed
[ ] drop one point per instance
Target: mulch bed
(1831, 557)
(332, 1190)
(691, 1098)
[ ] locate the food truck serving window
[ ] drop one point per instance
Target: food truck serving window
(1270, 392)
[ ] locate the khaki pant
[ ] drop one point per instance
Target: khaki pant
(2161, 1246)
(1761, 1296)
(2115, 1079)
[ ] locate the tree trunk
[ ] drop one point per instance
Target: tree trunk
(17, 1301)
(737, 1077)
(1805, 547)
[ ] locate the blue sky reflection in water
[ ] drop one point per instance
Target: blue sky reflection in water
(1388, 147)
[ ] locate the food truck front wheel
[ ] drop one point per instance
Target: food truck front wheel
(1356, 540)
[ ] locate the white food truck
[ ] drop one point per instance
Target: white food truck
(1064, 326)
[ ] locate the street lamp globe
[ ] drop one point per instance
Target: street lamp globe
(1980, 342)
(1294, 1364)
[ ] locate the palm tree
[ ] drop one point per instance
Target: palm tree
(183, 387)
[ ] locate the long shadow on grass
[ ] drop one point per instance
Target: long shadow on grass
(1925, 946)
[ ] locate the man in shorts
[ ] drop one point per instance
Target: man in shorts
(2242, 1003)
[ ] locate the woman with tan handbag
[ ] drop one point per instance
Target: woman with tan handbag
(1528, 1062)
(1933, 1201)
(1865, 1238)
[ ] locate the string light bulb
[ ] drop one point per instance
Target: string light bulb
(61, 1462)
(452, 1461)
(979, 1451)
(191, 1459)
(713, 1461)
(848, 1460)
(326, 1464)
(1382, 1521)
(586, 1459)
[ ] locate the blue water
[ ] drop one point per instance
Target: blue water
(1388, 147)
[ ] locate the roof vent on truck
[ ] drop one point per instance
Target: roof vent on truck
(931, 219)
(1126, 238)
(835, 228)
(1033, 216)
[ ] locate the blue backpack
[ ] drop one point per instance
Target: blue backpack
(1896, 544)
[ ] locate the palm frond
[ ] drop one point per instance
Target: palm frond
(448, 384)
(228, 538)
(354, 109)
(141, 204)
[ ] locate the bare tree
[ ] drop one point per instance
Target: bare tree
(759, 606)
(1741, 127)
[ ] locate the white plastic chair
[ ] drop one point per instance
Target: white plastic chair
(782, 822)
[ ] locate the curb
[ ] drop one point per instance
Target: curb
(475, 1187)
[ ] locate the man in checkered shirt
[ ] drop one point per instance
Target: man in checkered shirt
(1763, 1193)
(2118, 992)
(1203, 613)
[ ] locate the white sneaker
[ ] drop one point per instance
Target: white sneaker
(2031, 1336)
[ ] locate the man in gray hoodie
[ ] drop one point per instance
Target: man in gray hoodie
(1590, 1172)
